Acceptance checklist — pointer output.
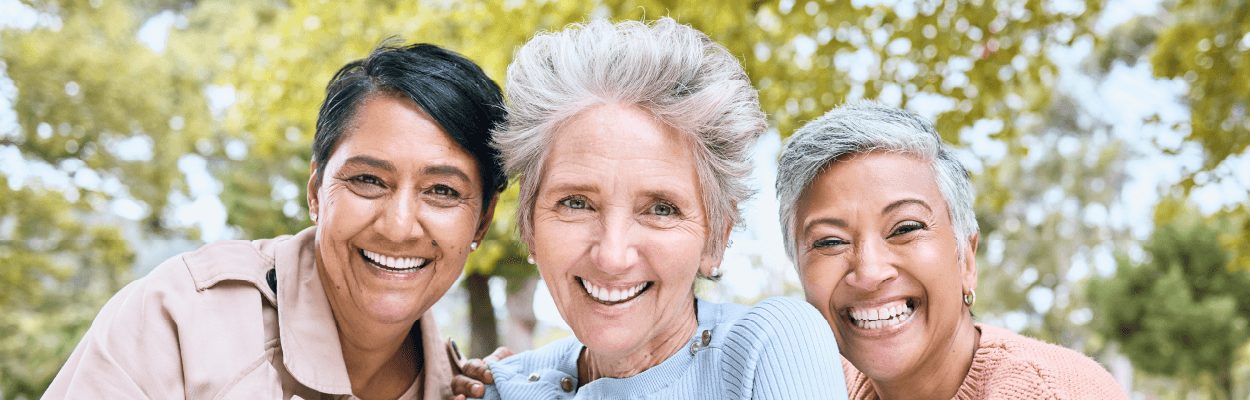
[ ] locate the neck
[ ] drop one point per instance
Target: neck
(593, 365)
(381, 360)
(940, 375)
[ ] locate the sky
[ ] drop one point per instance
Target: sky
(1122, 98)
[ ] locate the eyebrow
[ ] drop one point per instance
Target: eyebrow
(899, 203)
(574, 187)
(838, 222)
(841, 223)
(660, 194)
(447, 170)
(372, 162)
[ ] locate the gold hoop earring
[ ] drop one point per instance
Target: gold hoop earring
(970, 297)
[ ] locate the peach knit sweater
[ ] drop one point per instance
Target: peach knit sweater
(1007, 365)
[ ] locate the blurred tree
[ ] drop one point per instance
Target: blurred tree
(93, 134)
(1038, 248)
(1183, 312)
(1206, 44)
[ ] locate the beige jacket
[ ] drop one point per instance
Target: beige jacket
(206, 325)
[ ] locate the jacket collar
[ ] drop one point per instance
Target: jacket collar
(310, 343)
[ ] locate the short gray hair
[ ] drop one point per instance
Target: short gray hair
(671, 70)
(864, 127)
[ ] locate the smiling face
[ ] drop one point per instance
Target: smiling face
(877, 256)
(620, 231)
(396, 209)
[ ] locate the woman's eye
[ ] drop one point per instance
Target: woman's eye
(574, 202)
(907, 227)
(664, 209)
(444, 191)
(368, 179)
(826, 243)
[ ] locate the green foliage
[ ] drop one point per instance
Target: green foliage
(1181, 313)
(57, 270)
(1040, 240)
(1205, 44)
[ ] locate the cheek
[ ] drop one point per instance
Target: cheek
(452, 227)
(818, 284)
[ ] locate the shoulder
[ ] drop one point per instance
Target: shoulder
(184, 279)
(550, 357)
(780, 348)
(172, 309)
(779, 318)
(535, 373)
(1008, 362)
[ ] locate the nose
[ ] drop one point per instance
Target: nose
(871, 267)
(614, 252)
(398, 220)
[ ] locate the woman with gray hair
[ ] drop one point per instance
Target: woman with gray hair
(631, 144)
(877, 216)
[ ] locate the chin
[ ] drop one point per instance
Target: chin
(608, 340)
(395, 310)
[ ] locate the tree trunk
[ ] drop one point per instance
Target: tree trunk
(521, 319)
(1224, 379)
(483, 329)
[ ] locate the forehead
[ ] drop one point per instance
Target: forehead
(397, 130)
(615, 129)
(871, 181)
(625, 138)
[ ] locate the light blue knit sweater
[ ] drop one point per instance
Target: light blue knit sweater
(780, 349)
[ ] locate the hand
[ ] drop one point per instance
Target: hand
(472, 375)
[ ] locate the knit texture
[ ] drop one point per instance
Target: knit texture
(1007, 365)
(780, 349)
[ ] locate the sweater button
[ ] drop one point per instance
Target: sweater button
(566, 384)
(534, 377)
(707, 337)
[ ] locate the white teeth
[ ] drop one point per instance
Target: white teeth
(882, 317)
(394, 263)
(612, 295)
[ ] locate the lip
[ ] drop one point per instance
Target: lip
(645, 287)
(847, 322)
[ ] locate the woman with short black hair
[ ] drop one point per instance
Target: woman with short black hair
(402, 188)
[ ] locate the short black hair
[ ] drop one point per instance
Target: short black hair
(452, 90)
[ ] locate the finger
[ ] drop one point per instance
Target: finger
(467, 387)
(500, 353)
(477, 369)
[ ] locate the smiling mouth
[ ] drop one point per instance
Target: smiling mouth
(883, 316)
(394, 264)
(613, 296)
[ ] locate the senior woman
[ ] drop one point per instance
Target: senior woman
(631, 143)
(402, 185)
(878, 217)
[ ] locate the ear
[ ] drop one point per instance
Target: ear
(314, 184)
(968, 268)
(714, 256)
(488, 215)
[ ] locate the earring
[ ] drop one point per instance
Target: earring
(731, 243)
(314, 217)
(970, 298)
(715, 272)
(473, 245)
(530, 259)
